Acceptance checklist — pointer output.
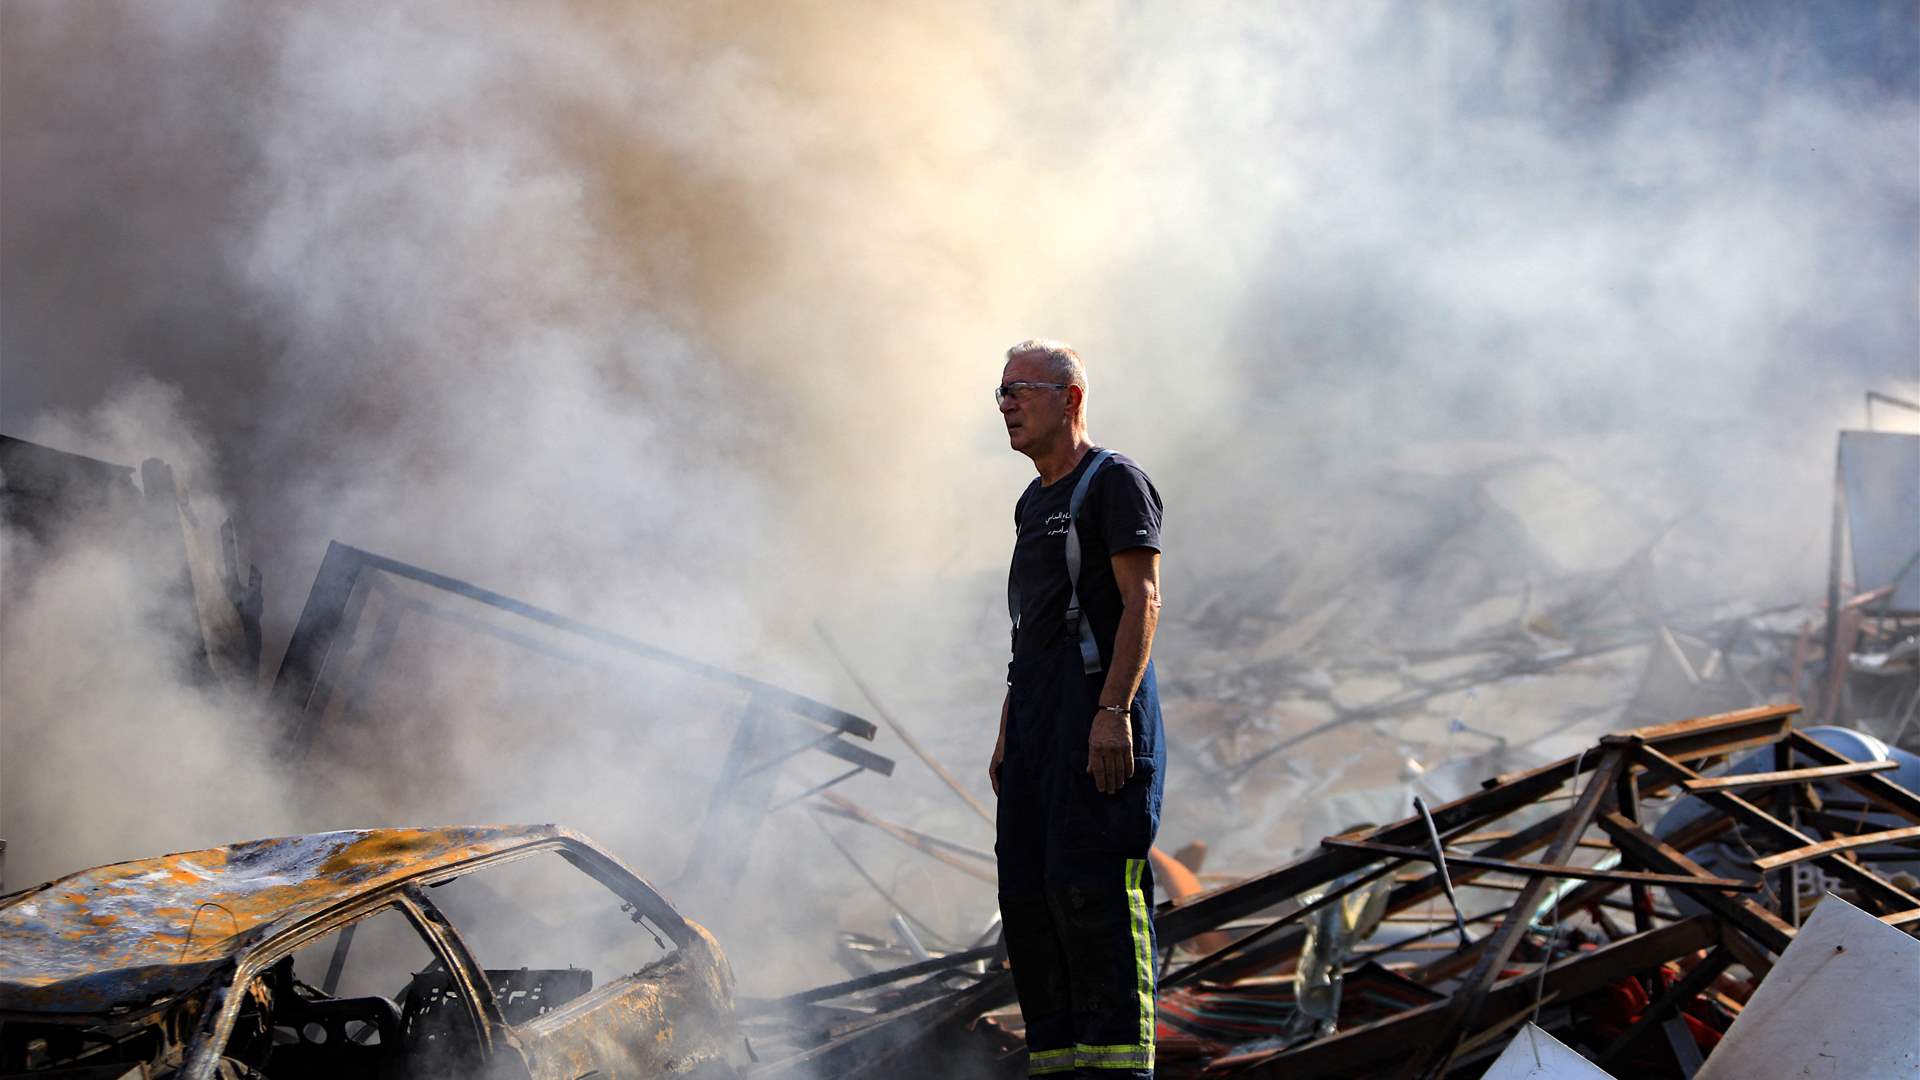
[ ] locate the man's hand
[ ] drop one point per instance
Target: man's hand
(993, 767)
(1110, 751)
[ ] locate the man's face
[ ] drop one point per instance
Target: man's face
(1035, 417)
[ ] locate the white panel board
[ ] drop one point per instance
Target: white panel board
(1535, 1055)
(1843, 1003)
(1881, 473)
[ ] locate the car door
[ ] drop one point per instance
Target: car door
(378, 991)
(591, 980)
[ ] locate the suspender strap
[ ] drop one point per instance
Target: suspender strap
(1089, 649)
(1076, 625)
(1013, 594)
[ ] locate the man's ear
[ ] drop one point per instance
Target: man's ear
(1078, 397)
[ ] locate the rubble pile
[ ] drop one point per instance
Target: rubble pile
(1624, 892)
(1434, 627)
(1628, 900)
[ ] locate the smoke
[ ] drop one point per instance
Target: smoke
(681, 318)
(114, 745)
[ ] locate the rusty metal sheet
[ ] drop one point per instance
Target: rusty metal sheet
(134, 931)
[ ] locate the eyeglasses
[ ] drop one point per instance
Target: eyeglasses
(1013, 389)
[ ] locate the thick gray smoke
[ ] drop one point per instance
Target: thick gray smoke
(682, 319)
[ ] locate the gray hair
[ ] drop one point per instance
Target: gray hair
(1063, 364)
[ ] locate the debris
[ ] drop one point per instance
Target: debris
(215, 594)
(913, 744)
(333, 662)
(1316, 976)
(1840, 1002)
(1903, 657)
(1623, 901)
(1535, 1055)
(129, 969)
(1331, 934)
(968, 861)
(1874, 551)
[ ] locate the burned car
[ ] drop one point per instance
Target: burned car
(521, 951)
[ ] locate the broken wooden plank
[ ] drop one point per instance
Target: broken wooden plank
(1844, 824)
(1837, 844)
(1878, 789)
(1526, 869)
(1743, 781)
(1868, 884)
(1762, 725)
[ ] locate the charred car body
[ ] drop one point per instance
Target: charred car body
(443, 952)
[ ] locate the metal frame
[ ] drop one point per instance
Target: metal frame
(1598, 799)
(776, 725)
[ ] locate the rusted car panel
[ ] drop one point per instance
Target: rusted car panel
(685, 1003)
(152, 963)
(120, 934)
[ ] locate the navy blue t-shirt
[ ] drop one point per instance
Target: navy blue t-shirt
(1121, 511)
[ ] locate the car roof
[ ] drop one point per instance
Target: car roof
(131, 932)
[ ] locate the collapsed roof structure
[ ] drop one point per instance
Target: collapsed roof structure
(1607, 930)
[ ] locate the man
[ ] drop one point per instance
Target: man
(1079, 764)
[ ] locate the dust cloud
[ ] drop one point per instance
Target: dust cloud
(681, 319)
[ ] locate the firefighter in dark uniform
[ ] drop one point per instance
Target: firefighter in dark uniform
(1080, 762)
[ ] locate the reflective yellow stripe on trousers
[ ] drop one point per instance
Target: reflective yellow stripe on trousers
(1138, 1055)
(1131, 1055)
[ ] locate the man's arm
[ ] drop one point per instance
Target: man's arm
(1110, 744)
(1000, 745)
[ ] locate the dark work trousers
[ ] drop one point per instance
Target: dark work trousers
(1076, 893)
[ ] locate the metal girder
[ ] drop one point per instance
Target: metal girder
(1549, 870)
(1763, 925)
(1354, 1051)
(1470, 1001)
(1867, 883)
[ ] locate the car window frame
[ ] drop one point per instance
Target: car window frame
(428, 922)
(604, 869)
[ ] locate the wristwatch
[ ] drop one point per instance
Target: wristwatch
(1123, 710)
